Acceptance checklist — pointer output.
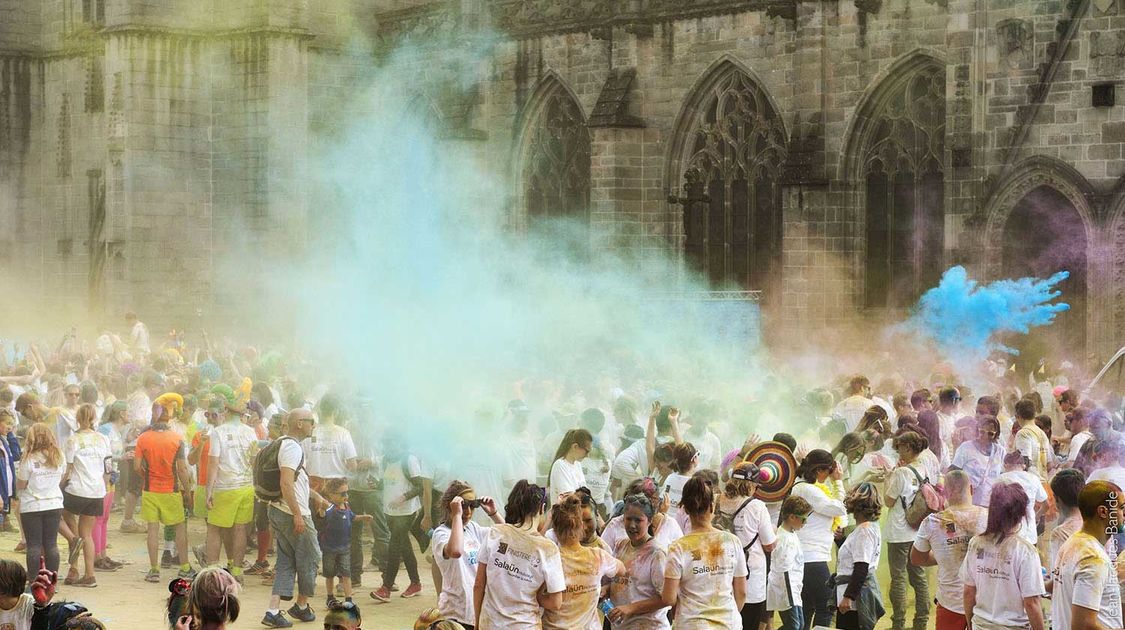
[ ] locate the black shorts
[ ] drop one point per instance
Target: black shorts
(83, 506)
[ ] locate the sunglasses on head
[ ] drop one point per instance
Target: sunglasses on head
(341, 605)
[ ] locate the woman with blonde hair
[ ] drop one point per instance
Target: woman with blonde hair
(566, 471)
(38, 480)
(583, 569)
(87, 455)
(750, 521)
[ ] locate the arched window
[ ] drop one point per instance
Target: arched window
(903, 175)
(556, 163)
(734, 148)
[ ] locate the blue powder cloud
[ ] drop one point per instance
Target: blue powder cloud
(965, 320)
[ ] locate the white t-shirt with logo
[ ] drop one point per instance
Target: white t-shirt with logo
(947, 534)
(583, 568)
(396, 485)
(458, 574)
(565, 477)
(328, 450)
(862, 545)
(1084, 576)
(291, 456)
(1004, 575)
(1035, 493)
(18, 617)
(87, 452)
(706, 564)
(787, 572)
(753, 524)
(517, 563)
(42, 492)
(231, 442)
(643, 579)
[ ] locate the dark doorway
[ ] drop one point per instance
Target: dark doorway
(1043, 235)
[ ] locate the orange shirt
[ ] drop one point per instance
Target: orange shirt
(159, 448)
(204, 453)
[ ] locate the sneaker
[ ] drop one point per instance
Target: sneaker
(103, 564)
(267, 577)
(166, 560)
(257, 568)
(74, 549)
(383, 595)
(276, 621)
(71, 580)
(153, 575)
(302, 614)
(86, 582)
(412, 591)
(330, 601)
(133, 527)
(199, 551)
(190, 573)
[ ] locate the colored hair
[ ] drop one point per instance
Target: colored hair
(864, 500)
(645, 486)
(1007, 507)
(213, 598)
(930, 427)
(1095, 495)
(920, 396)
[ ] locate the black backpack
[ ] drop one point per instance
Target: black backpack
(55, 615)
(267, 473)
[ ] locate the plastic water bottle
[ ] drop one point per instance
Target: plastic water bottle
(606, 605)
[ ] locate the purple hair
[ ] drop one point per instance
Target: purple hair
(929, 424)
(1007, 507)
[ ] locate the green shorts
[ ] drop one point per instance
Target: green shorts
(232, 507)
(199, 503)
(166, 508)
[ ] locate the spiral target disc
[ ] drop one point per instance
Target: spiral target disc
(778, 470)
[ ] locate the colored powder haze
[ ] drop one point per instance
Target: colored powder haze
(965, 320)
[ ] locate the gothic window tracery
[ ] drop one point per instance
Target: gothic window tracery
(903, 173)
(557, 161)
(735, 150)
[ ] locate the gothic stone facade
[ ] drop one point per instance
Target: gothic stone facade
(835, 154)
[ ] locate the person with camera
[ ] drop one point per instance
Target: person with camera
(456, 545)
(519, 571)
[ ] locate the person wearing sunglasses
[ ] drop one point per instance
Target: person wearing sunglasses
(819, 483)
(335, 536)
(787, 566)
(519, 571)
(456, 545)
(982, 459)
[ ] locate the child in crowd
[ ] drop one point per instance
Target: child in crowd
(787, 565)
(336, 538)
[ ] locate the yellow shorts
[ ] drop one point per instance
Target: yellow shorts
(232, 507)
(166, 508)
(199, 502)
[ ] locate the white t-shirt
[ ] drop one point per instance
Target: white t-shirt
(1060, 534)
(42, 492)
(18, 617)
(328, 449)
(817, 536)
(584, 568)
(1084, 576)
(669, 532)
(710, 450)
(66, 426)
(1035, 493)
(231, 442)
(1114, 474)
(519, 459)
(458, 574)
(753, 525)
(674, 487)
(947, 534)
(291, 456)
(902, 486)
(787, 572)
(643, 579)
(1033, 443)
(395, 485)
(706, 564)
(518, 563)
(862, 545)
(87, 452)
(1004, 575)
(1076, 443)
(852, 408)
(565, 477)
(982, 468)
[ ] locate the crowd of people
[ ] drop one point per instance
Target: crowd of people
(625, 511)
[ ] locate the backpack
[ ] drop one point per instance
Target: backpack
(267, 473)
(55, 615)
(725, 522)
(926, 501)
